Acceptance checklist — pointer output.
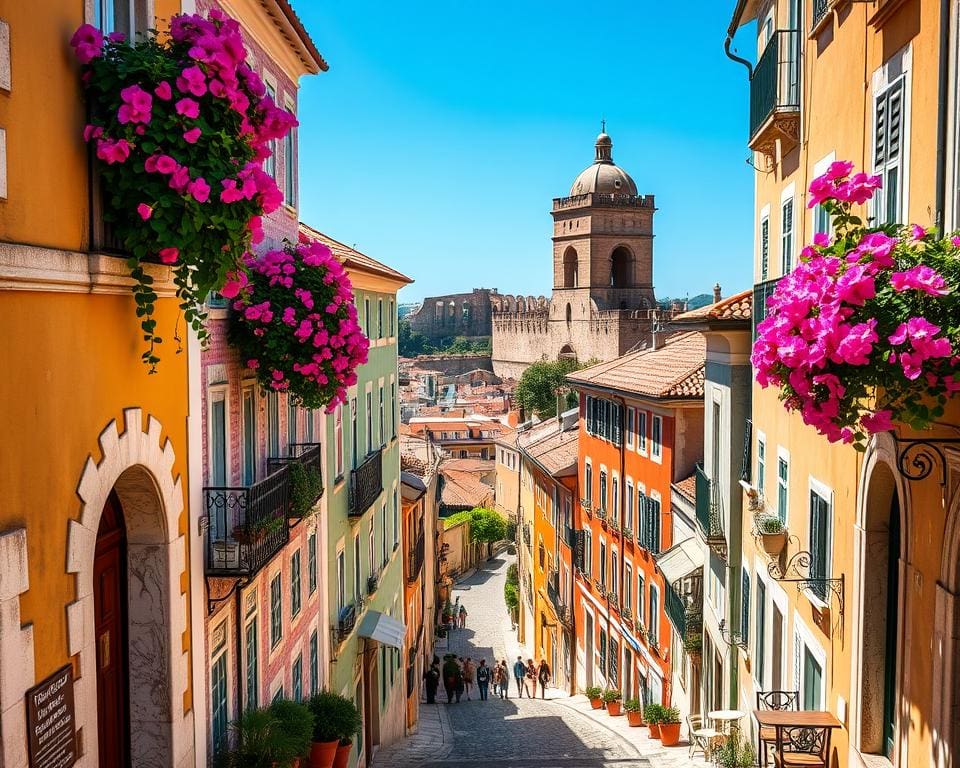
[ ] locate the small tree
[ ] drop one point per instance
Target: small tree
(540, 384)
(487, 526)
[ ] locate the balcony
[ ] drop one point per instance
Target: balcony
(347, 620)
(614, 525)
(553, 592)
(366, 483)
(415, 559)
(708, 514)
(303, 492)
(373, 580)
(601, 514)
(820, 10)
(685, 616)
(775, 96)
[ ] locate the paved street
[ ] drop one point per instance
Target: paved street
(520, 733)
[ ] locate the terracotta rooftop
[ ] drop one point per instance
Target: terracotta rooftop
(463, 489)
(674, 370)
(552, 446)
(736, 307)
(352, 257)
(474, 466)
(688, 487)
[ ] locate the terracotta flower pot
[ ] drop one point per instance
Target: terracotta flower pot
(322, 753)
(773, 543)
(596, 703)
(654, 730)
(634, 719)
(669, 734)
(613, 708)
(343, 755)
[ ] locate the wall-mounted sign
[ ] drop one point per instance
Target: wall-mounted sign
(51, 723)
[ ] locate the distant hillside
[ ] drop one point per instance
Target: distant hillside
(700, 300)
(405, 309)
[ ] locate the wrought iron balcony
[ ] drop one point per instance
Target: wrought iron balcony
(626, 613)
(820, 10)
(628, 530)
(372, 581)
(347, 619)
(246, 526)
(601, 514)
(613, 597)
(366, 483)
(775, 95)
(614, 525)
(415, 559)
(708, 513)
(553, 592)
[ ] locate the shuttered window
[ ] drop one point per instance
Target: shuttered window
(745, 607)
(649, 523)
(786, 237)
(603, 650)
(819, 543)
(888, 132)
(764, 249)
(614, 659)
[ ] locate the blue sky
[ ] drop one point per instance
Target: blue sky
(442, 131)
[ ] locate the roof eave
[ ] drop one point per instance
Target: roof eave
(308, 52)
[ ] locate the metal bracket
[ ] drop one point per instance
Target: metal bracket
(213, 602)
(730, 637)
(917, 457)
(797, 571)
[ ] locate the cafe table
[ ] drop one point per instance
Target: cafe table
(726, 718)
(778, 719)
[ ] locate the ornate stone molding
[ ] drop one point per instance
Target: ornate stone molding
(17, 666)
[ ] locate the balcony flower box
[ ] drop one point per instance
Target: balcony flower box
(773, 536)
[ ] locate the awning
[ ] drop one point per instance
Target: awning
(382, 628)
(680, 560)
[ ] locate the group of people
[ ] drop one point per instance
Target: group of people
(459, 675)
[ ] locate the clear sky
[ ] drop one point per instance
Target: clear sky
(443, 130)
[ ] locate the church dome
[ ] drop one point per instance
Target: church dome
(603, 176)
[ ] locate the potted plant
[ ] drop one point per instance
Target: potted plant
(735, 752)
(634, 712)
(611, 697)
(291, 738)
(772, 534)
(669, 726)
(306, 486)
(348, 723)
(651, 716)
(595, 694)
(693, 643)
(326, 736)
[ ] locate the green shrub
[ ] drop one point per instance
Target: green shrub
(653, 713)
(770, 524)
(306, 486)
(511, 597)
(611, 695)
(632, 705)
(294, 731)
(669, 715)
(593, 692)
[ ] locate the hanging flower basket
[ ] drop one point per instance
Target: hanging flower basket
(865, 331)
(180, 127)
(295, 324)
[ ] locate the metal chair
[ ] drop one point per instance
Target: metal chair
(803, 746)
(700, 738)
(773, 700)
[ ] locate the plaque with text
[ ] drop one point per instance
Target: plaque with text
(51, 723)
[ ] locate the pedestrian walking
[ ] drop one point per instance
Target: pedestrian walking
(531, 675)
(463, 617)
(431, 680)
(468, 672)
(519, 670)
(504, 680)
(459, 688)
(543, 676)
(451, 674)
(483, 679)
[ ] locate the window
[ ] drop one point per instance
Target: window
(249, 426)
(393, 409)
(761, 462)
(218, 438)
(641, 598)
(648, 534)
(354, 434)
(273, 424)
(366, 317)
(783, 477)
(588, 482)
(588, 551)
(628, 586)
(270, 164)
(614, 661)
(252, 664)
(615, 507)
(642, 432)
(218, 700)
(603, 488)
(821, 220)
(309, 418)
(812, 681)
(278, 696)
(888, 130)
(276, 611)
(604, 419)
(369, 432)
(292, 431)
(396, 517)
(786, 237)
(628, 515)
(745, 607)
(603, 563)
(654, 628)
(393, 317)
(656, 439)
(819, 542)
(295, 591)
(383, 530)
(603, 650)
(338, 438)
(312, 563)
(614, 573)
(297, 676)
(382, 424)
(341, 581)
(759, 647)
(289, 179)
(372, 545)
(631, 421)
(764, 248)
(379, 318)
(314, 663)
(127, 16)
(357, 579)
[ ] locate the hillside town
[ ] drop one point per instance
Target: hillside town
(262, 509)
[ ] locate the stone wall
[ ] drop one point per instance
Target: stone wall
(453, 365)
(468, 314)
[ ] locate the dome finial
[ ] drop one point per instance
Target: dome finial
(604, 145)
(603, 125)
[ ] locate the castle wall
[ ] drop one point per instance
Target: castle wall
(455, 314)
(453, 365)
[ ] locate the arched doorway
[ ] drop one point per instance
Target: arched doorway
(621, 267)
(110, 622)
(570, 276)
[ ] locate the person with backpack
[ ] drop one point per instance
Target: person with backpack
(483, 679)
(543, 675)
(519, 671)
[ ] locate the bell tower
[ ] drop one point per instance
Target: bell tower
(602, 242)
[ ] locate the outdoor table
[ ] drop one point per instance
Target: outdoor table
(726, 717)
(778, 719)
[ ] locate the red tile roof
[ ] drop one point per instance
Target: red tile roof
(688, 487)
(291, 16)
(463, 489)
(674, 370)
(352, 257)
(736, 307)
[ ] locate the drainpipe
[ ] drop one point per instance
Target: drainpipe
(942, 115)
(731, 31)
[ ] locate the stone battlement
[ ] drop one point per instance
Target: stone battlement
(603, 200)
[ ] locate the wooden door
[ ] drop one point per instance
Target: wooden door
(110, 622)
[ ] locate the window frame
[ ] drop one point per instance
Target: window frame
(783, 485)
(276, 610)
(825, 494)
(656, 438)
(642, 432)
(296, 584)
(787, 241)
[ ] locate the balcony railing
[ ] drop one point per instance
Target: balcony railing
(775, 92)
(553, 592)
(416, 558)
(246, 526)
(366, 483)
(372, 581)
(820, 9)
(601, 513)
(708, 513)
(347, 619)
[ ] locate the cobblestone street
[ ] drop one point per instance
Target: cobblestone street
(501, 734)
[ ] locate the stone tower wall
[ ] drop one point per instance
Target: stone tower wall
(455, 314)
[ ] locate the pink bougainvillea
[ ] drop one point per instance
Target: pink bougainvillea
(295, 323)
(865, 332)
(181, 126)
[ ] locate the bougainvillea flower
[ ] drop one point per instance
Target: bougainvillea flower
(188, 108)
(145, 211)
(192, 135)
(111, 151)
(920, 278)
(137, 105)
(87, 43)
(821, 240)
(839, 169)
(199, 189)
(163, 91)
(236, 282)
(169, 255)
(92, 132)
(192, 80)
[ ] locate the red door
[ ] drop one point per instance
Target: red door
(110, 620)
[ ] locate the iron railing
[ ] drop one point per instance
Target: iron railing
(553, 592)
(746, 461)
(366, 483)
(820, 9)
(601, 513)
(347, 619)
(372, 581)
(775, 83)
(676, 610)
(415, 562)
(708, 510)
